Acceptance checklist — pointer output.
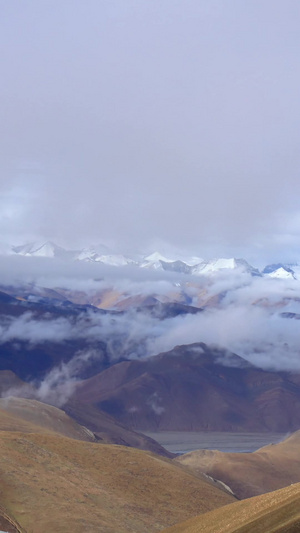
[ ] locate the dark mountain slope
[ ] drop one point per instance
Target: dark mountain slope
(195, 387)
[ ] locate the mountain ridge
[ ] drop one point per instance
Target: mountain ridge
(191, 265)
(171, 391)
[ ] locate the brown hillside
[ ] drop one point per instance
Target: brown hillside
(195, 388)
(89, 424)
(249, 474)
(54, 484)
(104, 426)
(276, 512)
(109, 431)
(20, 414)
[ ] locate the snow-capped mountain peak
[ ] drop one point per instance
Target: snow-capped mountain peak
(26, 249)
(280, 271)
(179, 263)
(47, 249)
(157, 256)
(193, 266)
(115, 260)
(216, 265)
(155, 261)
(90, 254)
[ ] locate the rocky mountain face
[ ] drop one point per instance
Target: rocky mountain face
(193, 388)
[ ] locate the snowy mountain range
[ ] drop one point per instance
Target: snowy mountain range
(195, 266)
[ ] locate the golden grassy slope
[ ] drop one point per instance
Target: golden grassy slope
(31, 416)
(250, 474)
(56, 484)
(275, 512)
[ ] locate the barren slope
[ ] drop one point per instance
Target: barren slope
(46, 417)
(109, 431)
(20, 414)
(249, 474)
(172, 392)
(54, 484)
(276, 512)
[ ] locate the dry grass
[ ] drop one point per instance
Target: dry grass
(56, 484)
(19, 414)
(250, 474)
(276, 512)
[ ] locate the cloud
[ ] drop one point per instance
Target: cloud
(80, 275)
(153, 401)
(255, 331)
(264, 339)
(60, 383)
(34, 331)
(172, 121)
(247, 320)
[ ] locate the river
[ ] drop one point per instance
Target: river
(184, 442)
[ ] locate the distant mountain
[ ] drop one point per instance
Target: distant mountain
(194, 265)
(158, 261)
(26, 249)
(115, 260)
(176, 266)
(47, 249)
(154, 261)
(32, 360)
(90, 254)
(163, 310)
(216, 265)
(99, 254)
(197, 266)
(279, 270)
(194, 388)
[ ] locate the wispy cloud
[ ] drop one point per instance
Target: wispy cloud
(60, 383)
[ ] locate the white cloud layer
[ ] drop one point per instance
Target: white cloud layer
(141, 121)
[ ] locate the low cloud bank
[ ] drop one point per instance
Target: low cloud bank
(264, 339)
(247, 320)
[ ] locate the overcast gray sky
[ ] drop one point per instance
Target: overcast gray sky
(141, 122)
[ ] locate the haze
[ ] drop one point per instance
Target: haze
(144, 124)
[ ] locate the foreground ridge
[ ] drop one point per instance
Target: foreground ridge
(275, 512)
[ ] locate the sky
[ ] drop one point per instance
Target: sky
(144, 125)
